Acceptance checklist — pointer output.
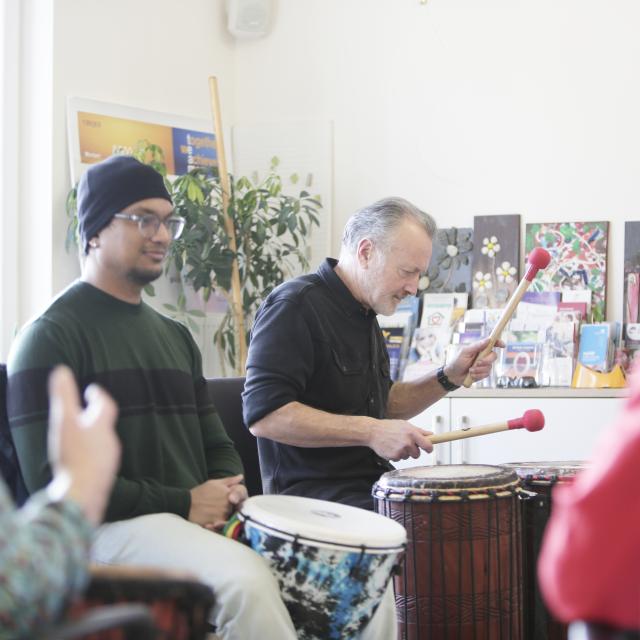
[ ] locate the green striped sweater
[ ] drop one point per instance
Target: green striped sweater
(172, 438)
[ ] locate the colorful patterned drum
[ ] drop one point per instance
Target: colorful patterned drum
(540, 478)
(462, 576)
(333, 562)
(181, 608)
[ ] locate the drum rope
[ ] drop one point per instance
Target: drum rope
(499, 559)
(431, 572)
(415, 578)
(513, 591)
(487, 577)
(474, 612)
(460, 591)
(442, 573)
(299, 539)
(420, 494)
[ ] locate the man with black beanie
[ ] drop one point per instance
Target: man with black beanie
(180, 476)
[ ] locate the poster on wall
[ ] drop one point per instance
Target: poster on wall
(578, 259)
(97, 130)
(496, 259)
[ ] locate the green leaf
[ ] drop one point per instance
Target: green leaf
(149, 289)
(196, 313)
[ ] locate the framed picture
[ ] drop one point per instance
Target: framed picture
(578, 259)
(450, 267)
(496, 259)
(97, 130)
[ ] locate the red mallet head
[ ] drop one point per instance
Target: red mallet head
(532, 420)
(538, 259)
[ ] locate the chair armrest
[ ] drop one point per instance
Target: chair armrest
(124, 572)
(135, 618)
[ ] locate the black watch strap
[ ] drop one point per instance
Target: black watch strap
(446, 384)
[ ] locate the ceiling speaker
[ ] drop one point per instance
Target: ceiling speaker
(248, 18)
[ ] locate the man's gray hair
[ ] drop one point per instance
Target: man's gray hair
(378, 220)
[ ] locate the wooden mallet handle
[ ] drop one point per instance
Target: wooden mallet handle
(531, 420)
(539, 258)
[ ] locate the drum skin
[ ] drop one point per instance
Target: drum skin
(462, 576)
(540, 478)
(330, 586)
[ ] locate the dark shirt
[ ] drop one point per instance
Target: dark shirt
(314, 343)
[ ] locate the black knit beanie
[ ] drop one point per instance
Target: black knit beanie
(109, 187)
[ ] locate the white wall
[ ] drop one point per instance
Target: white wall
(464, 107)
(151, 54)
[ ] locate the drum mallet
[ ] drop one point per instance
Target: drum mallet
(531, 420)
(539, 258)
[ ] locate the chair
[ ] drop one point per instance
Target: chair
(9, 465)
(226, 396)
(126, 621)
(179, 606)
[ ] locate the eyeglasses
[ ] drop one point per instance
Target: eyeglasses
(149, 224)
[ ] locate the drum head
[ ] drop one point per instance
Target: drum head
(449, 476)
(323, 523)
(546, 471)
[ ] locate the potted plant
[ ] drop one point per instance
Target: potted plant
(271, 239)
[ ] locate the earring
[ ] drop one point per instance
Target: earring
(93, 244)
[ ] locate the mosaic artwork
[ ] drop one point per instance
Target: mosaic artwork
(450, 267)
(496, 259)
(578, 259)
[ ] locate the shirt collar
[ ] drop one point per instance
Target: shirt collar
(351, 306)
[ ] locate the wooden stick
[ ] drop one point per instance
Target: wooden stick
(502, 323)
(469, 432)
(225, 185)
(539, 258)
(531, 420)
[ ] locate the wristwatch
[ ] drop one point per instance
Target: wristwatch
(446, 384)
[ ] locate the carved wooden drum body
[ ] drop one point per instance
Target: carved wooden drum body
(462, 575)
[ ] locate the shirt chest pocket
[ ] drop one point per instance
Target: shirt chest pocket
(350, 364)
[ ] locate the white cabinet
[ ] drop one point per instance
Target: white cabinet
(574, 420)
(572, 427)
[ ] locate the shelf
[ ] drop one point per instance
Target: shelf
(541, 392)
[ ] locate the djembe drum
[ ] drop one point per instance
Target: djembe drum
(333, 562)
(540, 478)
(462, 575)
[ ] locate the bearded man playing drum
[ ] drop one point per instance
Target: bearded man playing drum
(180, 474)
(318, 393)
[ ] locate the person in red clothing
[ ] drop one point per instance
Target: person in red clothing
(589, 566)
